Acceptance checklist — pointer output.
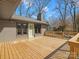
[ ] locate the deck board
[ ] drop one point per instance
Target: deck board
(35, 49)
(9, 51)
(2, 51)
(6, 53)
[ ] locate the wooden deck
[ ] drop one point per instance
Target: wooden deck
(74, 47)
(35, 49)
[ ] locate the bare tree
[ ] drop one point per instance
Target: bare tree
(30, 5)
(40, 5)
(69, 8)
(72, 9)
(27, 7)
(20, 9)
(77, 22)
(62, 9)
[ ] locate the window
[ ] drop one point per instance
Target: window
(22, 29)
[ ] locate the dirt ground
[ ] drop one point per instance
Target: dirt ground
(62, 53)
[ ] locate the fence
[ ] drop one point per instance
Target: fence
(60, 34)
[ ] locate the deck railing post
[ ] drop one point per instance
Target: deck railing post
(74, 47)
(73, 51)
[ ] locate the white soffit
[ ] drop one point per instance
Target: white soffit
(7, 8)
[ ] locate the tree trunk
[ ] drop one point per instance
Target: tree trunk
(20, 10)
(74, 20)
(39, 16)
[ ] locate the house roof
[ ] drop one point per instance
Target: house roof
(7, 8)
(25, 19)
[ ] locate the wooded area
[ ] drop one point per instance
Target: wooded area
(67, 10)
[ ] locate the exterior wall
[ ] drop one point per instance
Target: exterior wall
(43, 29)
(7, 31)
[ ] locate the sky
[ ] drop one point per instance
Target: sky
(51, 7)
(49, 10)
